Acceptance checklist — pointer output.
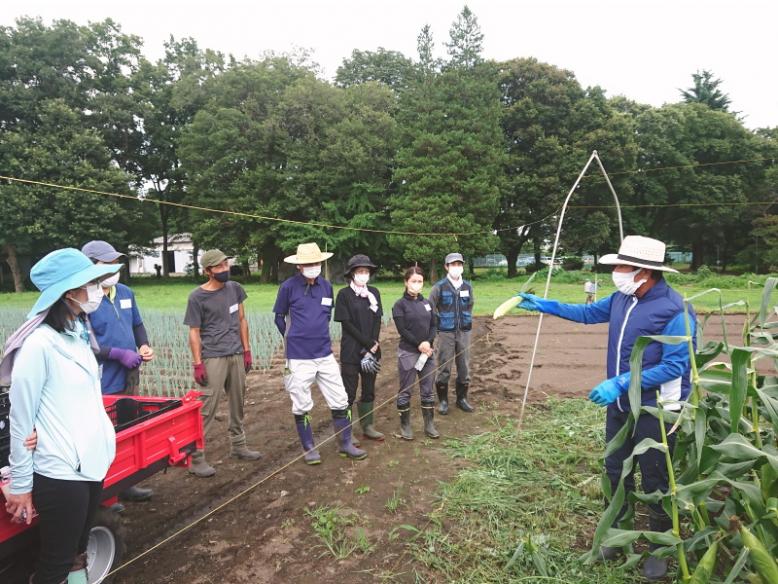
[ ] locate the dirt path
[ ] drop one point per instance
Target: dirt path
(266, 536)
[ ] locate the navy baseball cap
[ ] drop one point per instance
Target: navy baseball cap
(100, 251)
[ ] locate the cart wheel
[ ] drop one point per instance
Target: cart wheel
(106, 545)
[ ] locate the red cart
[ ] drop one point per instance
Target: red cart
(152, 433)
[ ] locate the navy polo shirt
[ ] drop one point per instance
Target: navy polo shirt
(308, 310)
(113, 324)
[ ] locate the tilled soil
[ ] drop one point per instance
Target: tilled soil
(264, 535)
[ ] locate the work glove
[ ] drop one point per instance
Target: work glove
(370, 364)
(247, 360)
(200, 376)
(538, 304)
(128, 358)
(609, 390)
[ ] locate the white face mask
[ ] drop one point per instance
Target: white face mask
(110, 282)
(625, 282)
(312, 272)
(94, 295)
(361, 279)
(455, 272)
(416, 288)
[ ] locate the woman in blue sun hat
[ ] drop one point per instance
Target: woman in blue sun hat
(55, 388)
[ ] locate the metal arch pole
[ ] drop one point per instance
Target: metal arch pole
(613, 192)
(594, 156)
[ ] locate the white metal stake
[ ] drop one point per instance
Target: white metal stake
(594, 156)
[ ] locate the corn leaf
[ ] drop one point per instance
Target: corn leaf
(739, 389)
(737, 448)
(737, 567)
(766, 309)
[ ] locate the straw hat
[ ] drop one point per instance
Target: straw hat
(641, 252)
(308, 253)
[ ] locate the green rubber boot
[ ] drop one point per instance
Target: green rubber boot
(365, 412)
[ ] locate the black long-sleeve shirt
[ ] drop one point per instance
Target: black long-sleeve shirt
(415, 321)
(361, 326)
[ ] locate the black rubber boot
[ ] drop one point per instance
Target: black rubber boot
(442, 389)
(428, 413)
(462, 402)
(656, 568)
(405, 424)
(136, 494)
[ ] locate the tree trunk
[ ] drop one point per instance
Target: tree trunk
(698, 257)
(246, 268)
(513, 256)
(163, 220)
(269, 254)
(13, 263)
(433, 272)
(536, 249)
(195, 262)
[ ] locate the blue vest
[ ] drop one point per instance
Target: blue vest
(455, 310)
(113, 324)
(632, 317)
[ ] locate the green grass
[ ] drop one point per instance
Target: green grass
(489, 293)
(525, 507)
(334, 526)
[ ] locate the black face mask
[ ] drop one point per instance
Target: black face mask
(222, 276)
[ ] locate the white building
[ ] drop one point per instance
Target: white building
(179, 256)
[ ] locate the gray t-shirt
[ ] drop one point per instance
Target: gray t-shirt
(217, 315)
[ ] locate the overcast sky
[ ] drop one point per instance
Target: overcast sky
(645, 50)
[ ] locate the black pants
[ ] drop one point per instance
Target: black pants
(351, 374)
(653, 466)
(66, 510)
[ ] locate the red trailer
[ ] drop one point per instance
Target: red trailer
(152, 433)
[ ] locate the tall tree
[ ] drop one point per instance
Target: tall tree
(60, 85)
(685, 155)
(550, 127)
(34, 220)
(449, 166)
(168, 94)
(706, 91)
(466, 40)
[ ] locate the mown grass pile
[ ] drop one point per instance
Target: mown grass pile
(525, 506)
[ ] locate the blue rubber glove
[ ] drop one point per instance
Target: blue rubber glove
(609, 390)
(538, 304)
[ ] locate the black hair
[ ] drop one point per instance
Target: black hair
(60, 317)
(413, 270)
(657, 275)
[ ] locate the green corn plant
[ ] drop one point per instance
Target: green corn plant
(723, 495)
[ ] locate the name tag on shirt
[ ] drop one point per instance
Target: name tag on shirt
(125, 303)
(233, 308)
(326, 301)
(427, 307)
(464, 293)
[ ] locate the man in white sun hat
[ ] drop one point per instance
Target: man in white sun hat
(303, 312)
(644, 304)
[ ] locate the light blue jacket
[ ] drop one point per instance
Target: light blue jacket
(55, 388)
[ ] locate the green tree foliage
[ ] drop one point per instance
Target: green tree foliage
(167, 95)
(466, 41)
(391, 68)
(551, 125)
(706, 91)
(276, 141)
(687, 142)
(60, 90)
(448, 169)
